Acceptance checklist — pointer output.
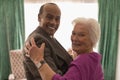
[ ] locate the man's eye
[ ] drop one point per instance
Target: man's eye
(49, 17)
(73, 33)
(57, 19)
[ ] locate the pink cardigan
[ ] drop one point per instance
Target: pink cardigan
(84, 67)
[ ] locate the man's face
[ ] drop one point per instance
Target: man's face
(50, 18)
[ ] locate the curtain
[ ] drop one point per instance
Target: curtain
(109, 17)
(12, 32)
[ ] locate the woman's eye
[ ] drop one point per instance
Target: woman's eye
(81, 34)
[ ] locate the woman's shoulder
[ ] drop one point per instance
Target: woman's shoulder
(87, 58)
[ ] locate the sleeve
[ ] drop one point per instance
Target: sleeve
(28, 74)
(73, 73)
(48, 54)
(49, 59)
(30, 70)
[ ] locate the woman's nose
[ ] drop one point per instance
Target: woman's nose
(74, 37)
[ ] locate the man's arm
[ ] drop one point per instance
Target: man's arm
(29, 76)
(51, 62)
(48, 55)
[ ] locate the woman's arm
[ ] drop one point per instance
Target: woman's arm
(46, 72)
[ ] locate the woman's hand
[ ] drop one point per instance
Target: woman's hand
(72, 53)
(35, 53)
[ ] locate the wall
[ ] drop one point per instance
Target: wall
(118, 60)
(41, 1)
(69, 12)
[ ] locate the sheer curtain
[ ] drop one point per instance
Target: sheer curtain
(12, 32)
(109, 13)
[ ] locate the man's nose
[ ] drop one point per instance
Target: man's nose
(53, 21)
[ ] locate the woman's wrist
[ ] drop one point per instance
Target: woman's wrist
(40, 63)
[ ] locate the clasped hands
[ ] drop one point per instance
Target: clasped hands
(35, 53)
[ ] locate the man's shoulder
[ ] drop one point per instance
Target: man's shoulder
(27, 61)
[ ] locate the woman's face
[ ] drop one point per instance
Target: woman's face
(80, 38)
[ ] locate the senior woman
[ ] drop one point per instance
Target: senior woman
(86, 65)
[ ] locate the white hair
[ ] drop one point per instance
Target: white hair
(93, 28)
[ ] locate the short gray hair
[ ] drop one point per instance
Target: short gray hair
(93, 28)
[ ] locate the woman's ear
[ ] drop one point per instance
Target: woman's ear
(39, 17)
